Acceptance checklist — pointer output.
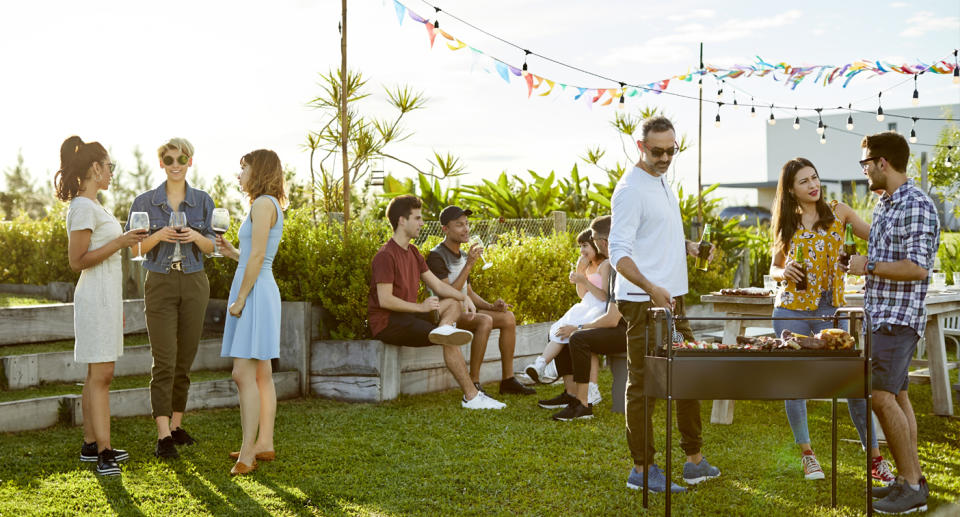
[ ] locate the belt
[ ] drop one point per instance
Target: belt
(176, 266)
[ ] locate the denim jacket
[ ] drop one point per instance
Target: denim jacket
(198, 206)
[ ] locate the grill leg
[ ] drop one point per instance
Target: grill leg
(833, 457)
(669, 451)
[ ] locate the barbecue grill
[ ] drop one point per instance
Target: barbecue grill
(758, 375)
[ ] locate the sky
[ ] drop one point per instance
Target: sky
(233, 76)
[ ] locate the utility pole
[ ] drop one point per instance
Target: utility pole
(344, 118)
(699, 221)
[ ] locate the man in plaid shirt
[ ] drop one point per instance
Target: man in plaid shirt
(904, 237)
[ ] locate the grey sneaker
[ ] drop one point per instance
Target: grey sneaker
(694, 473)
(904, 499)
(656, 481)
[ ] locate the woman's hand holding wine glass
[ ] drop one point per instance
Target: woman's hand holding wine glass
(219, 223)
(178, 220)
(139, 221)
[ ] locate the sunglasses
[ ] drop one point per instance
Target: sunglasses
(864, 163)
(656, 152)
(111, 165)
(182, 160)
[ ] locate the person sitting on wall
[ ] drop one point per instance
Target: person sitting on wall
(450, 265)
(393, 312)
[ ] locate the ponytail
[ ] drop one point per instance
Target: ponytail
(76, 157)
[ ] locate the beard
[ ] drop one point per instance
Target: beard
(875, 184)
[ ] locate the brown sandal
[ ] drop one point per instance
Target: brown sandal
(261, 456)
(240, 468)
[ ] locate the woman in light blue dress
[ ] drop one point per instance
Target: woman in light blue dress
(251, 334)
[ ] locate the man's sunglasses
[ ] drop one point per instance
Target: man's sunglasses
(656, 152)
(182, 160)
(863, 163)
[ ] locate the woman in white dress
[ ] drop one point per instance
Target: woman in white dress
(95, 236)
(591, 274)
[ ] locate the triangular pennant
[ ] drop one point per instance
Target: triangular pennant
(503, 71)
(529, 79)
(550, 89)
(515, 71)
(459, 45)
(445, 34)
(432, 32)
(400, 9)
(582, 91)
(416, 17)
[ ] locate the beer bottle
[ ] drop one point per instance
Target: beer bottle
(798, 257)
(849, 246)
(703, 252)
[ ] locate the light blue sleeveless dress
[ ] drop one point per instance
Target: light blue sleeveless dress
(256, 333)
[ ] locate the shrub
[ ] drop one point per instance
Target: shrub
(35, 251)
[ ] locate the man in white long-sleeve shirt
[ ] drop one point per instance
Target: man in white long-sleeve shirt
(648, 249)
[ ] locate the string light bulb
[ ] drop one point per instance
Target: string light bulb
(796, 120)
(735, 105)
(716, 121)
(879, 108)
(753, 109)
(436, 23)
(772, 121)
(956, 69)
(623, 90)
(823, 136)
(913, 131)
(947, 162)
(916, 92)
(720, 90)
(820, 126)
(849, 117)
(527, 53)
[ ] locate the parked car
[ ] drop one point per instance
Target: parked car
(750, 215)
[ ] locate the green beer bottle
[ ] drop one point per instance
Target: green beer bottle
(703, 251)
(849, 247)
(798, 257)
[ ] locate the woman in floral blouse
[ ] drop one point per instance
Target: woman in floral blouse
(803, 219)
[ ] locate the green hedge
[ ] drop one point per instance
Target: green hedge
(315, 264)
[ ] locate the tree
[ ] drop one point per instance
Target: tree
(943, 170)
(21, 195)
(369, 138)
(127, 185)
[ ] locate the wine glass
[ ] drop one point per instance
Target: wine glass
(177, 220)
(139, 221)
(219, 222)
(477, 241)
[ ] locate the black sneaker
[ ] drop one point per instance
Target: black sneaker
(166, 448)
(480, 388)
(560, 401)
(884, 491)
(574, 411)
(182, 438)
(107, 463)
(904, 500)
(88, 452)
(513, 386)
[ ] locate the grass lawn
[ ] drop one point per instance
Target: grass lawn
(423, 455)
(18, 300)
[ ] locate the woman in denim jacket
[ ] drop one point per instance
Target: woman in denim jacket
(176, 291)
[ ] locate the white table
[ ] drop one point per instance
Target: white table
(939, 305)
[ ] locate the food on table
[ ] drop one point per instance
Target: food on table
(746, 291)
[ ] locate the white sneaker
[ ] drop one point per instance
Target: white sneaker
(550, 374)
(535, 370)
(593, 394)
(450, 335)
(481, 401)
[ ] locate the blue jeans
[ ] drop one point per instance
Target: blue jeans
(797, 409)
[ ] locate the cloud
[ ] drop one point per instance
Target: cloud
(681, 43)
(696, 13)
(925, 21)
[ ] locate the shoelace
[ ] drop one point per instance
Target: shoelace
(810, 464)
(882, 470)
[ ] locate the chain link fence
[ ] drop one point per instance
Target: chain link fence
(490, 229)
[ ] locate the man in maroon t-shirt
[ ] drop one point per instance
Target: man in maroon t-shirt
(394, 315)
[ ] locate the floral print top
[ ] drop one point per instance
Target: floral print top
(822, 257)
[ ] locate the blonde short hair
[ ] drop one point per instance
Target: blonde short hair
(180, 144)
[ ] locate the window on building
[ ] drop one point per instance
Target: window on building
(892, 126)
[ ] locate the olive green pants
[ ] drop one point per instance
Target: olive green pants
(175, 305)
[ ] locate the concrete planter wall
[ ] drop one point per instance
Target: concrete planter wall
(372, 371)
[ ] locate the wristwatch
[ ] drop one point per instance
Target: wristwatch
(871, 265)
(579, 327)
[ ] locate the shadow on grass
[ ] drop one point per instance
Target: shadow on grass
(116, 494)
(214, 503)
(304, 505)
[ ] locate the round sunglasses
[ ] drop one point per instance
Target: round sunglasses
(182, 160)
